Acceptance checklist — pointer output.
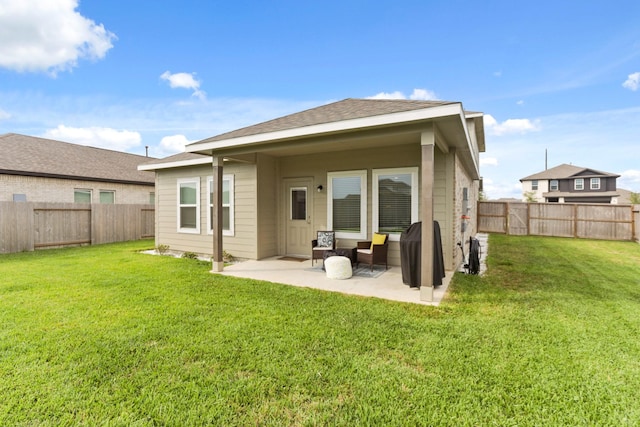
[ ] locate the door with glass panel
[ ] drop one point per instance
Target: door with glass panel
(298, 216)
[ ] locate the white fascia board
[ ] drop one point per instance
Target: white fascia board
(176, 164)
(324, 128)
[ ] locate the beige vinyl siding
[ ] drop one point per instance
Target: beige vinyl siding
(317, 166)
(241, 245)
(443, 200)
(267, 215)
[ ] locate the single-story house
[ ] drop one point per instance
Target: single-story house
(43, 170)
(356, 167)
(571, 184)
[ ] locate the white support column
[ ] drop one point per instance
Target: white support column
(427, 141)
(216, 218)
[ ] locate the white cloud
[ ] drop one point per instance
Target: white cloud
(488, 161)
(417, 94)
(37, 35)
(120, 140)
(632, 82)
(497, 73)
(173, 144)
(423, 95)
(184, 81)
(510, 126)
(388, 95)
(4, 115)
(629, 180)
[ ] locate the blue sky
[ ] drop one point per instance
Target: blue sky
(548, 75)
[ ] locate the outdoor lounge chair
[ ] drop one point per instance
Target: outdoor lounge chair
(325, 241)
(374, 251)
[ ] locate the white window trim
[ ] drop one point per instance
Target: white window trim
(535, 185)
(551, 186)
(375, 215)
(196, 230)
(362, 174)
(593, 184)
(576, 186)
(231, 180)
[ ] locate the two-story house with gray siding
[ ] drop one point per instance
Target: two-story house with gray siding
(571, 184)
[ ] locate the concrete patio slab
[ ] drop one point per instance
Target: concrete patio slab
(387, 286)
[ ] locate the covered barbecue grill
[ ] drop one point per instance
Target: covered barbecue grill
(411, 252)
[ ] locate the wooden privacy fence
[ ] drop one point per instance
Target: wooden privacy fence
(592, 221)
(26, 226)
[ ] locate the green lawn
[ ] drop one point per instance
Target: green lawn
(108, 336)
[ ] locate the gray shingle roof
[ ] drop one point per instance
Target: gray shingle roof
(346, 109)
(28, 155)
(563, 171)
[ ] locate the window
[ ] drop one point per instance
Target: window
(595, 183)
(107, 197)
(395, 200)
(19, 197)
(534, 184)
(81, 196)
(347, 207)
(553, 185)
(189, 205)
(298, 204)
(228, 219)
(578, 184)
(152, 198)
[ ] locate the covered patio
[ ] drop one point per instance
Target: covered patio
(387, 285)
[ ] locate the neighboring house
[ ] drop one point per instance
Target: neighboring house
(355, 166)
(625, 196)
(570, 184)
(43, 170)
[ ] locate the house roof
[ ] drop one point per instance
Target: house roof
(346, 109)
(341, 117)
(32, 156)
(564, 171)
(177, 160)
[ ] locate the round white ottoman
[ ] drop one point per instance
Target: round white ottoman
(338, 267)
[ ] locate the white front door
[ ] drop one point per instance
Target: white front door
(298, 216)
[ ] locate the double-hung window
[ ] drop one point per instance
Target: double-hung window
(578, 184)
(553, 185)
(595, 183)
(347, 204)
(189, 205)
(227, 205)
(395, 200)
(534, 184)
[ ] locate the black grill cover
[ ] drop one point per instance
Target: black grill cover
(411, 250)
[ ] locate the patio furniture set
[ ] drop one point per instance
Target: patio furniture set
(339, 262)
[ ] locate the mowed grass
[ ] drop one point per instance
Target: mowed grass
(106, 335)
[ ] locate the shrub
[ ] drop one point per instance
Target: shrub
(190, 255)
(162, 249)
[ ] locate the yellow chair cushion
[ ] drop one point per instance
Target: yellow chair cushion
(378, 239)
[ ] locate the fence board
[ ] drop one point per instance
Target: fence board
(14, 217)
(25, 226)
(492, 217)
(607, 222)
(518, 218)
